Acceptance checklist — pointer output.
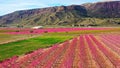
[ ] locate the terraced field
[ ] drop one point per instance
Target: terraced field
(84, 51)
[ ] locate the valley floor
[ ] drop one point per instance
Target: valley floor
(86, 51)
(60, 48)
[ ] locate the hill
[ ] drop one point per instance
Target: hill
(103, 9)
(92, 14)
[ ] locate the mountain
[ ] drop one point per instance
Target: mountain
(51, 15)
(104, 9)
(78, 15)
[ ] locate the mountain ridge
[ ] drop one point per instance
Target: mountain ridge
(63, 15)
(104, 9)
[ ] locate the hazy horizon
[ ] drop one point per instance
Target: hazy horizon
(15, 5)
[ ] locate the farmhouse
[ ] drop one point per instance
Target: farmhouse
(37, 27)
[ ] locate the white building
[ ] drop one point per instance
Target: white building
(37, 27)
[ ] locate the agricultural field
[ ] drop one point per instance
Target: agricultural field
(60, 48)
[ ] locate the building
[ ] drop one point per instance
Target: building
(37, 27)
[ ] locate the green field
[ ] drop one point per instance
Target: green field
(21, 47)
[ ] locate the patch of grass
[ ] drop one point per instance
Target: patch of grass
(4, 38)
(21, 47)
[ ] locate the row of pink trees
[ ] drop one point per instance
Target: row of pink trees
(49, 30)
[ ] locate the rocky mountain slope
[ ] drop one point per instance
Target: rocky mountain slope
(103, 9)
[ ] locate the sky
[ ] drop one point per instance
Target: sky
(9, 6)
